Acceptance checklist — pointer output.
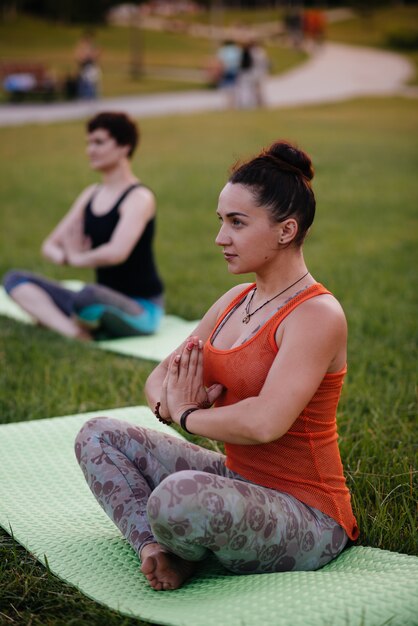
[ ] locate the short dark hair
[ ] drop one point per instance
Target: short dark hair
(279, 178)
(121, 127)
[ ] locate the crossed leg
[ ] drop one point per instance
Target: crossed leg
(176, 502)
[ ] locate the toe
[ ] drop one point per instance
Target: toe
(148, 566)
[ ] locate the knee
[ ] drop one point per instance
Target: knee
(13, 278)
(85, 297)
(170, 495)
(184, 494)
(88, 435)
(170, 509)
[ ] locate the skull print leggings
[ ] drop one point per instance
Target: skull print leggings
(160, 488)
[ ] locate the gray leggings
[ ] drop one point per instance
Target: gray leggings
(105, 311)
(159, 488)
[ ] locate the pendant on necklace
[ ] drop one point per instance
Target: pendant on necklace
(246, 319)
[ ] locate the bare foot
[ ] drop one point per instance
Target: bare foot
(164, 571)
(83, 335)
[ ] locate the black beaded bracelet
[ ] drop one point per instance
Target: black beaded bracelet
(160, 418)
(185, 416)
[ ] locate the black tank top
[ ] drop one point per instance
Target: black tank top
(136, 277)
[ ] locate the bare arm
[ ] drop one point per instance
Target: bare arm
(136, 211)
(312, 343)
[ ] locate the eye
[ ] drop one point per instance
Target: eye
(236, 221)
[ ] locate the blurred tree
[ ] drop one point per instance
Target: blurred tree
(81, 11)
(94, 11)
(8, 9)
(136, 46)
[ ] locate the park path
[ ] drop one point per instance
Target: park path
(333, 73)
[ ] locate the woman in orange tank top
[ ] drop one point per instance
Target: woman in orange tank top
(262, 373)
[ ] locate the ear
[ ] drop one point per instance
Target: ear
(288, 231)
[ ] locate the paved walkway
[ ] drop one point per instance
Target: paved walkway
(335, 72)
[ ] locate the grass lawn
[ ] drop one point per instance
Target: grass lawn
(363, 247)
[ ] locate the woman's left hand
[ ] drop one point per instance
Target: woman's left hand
(183, 385)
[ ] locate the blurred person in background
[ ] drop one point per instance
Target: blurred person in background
(254, 69)
(314, 26)
(294, 26)
(109, 228)
(87, 55)
(229, 56)
(261, 68)
(245, 84)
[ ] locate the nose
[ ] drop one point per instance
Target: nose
(222, 238)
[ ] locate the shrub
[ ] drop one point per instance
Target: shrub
(406, 39)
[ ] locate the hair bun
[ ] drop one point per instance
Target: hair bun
(297, 161)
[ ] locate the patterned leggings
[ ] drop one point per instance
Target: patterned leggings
(159, 488)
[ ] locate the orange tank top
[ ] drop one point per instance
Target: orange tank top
(305, 462)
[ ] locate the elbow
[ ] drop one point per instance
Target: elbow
(147, 388)
(52, 253)
(45, 249)
(150, 387)
(267, 429)
(265, 435)
(257, 433)
(117, 257)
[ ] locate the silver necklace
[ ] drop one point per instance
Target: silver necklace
(249, 315)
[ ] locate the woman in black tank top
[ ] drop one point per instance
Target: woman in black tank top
(110, 228)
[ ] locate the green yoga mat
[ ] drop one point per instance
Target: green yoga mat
(47, 506)
(172, 332)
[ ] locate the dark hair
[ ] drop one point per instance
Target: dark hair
(123, 130)
(246, 58)
(279, 178)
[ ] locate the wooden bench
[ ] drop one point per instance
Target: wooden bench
(23, 79)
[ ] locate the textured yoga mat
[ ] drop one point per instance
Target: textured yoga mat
(156, 347)
(47, 506)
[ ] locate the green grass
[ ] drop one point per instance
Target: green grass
(363, 247)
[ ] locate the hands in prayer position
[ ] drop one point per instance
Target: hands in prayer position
(183, 386)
